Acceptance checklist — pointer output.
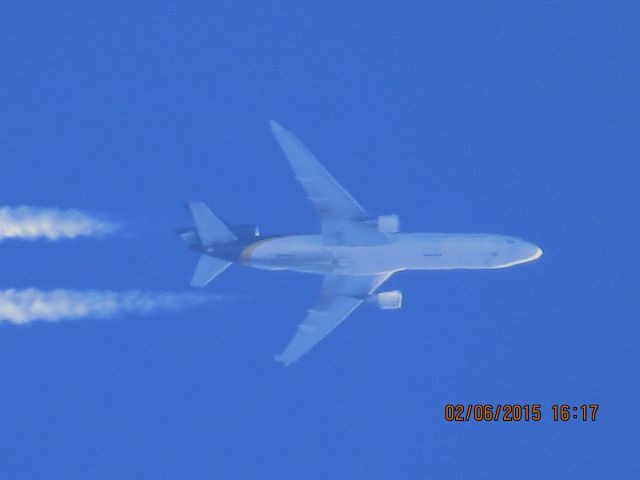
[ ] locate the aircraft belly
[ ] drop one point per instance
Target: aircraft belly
(308, 254)
(304, 253)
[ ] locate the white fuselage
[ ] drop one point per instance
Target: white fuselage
(404, 251)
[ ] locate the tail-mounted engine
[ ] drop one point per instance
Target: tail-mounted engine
(244, 230)
(391, 300)
(188, 235)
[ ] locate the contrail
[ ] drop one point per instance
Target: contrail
(24, 306)
(51, 223)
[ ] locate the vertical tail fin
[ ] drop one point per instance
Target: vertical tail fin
(210, 228)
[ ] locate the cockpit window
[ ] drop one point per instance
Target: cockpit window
(509, 240)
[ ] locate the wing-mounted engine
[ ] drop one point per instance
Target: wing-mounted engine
(391, 300)
(388, 223)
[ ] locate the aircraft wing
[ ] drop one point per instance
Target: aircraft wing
(343, 220)
(341, 295)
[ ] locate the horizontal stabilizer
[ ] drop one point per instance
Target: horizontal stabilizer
(210, 228)
(207, 269)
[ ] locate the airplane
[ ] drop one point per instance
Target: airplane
(355, 252)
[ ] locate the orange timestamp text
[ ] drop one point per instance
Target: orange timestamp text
(516, 412)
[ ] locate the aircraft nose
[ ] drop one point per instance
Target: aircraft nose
(536, 253)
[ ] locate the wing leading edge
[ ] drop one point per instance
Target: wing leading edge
(341, 295)
(343, 221)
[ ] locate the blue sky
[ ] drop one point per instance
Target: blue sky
(506, 117)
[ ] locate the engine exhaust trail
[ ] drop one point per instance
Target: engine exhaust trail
(20, 307)
(31, 223)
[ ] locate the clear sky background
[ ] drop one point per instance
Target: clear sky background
(518, 118)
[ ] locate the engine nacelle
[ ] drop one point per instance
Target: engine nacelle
(388, 223)
(244, 231)
(391, 300)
